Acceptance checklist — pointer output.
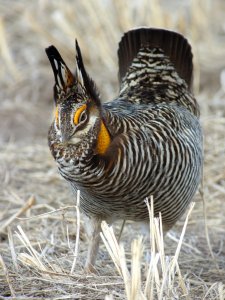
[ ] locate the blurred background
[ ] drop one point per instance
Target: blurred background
(28, 27)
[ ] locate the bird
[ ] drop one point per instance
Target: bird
(145, 142)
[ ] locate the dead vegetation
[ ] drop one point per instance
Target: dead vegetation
(38, 215)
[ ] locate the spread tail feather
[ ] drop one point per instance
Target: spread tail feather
(173, 44)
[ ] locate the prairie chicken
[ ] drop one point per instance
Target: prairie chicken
(147, 141)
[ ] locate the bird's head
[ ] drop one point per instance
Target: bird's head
(77, 102)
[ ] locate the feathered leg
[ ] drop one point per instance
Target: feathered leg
(93, 228)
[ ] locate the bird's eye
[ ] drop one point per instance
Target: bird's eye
(80, 115)
(83, 116)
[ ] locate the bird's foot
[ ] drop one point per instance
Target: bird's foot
(89, 270)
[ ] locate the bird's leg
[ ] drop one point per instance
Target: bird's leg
(121, 230)
(93, 229)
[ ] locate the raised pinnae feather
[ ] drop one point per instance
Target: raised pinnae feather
(173, 44)
(63, 76)
(86, 80)
(64, 79)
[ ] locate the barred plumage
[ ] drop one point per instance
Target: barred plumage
(148, 141)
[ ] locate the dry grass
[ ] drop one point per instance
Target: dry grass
(160, 274)
(40, 238)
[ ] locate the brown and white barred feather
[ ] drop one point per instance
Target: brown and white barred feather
(146, 142)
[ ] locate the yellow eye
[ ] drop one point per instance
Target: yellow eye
(57, 115)
(78, 113)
